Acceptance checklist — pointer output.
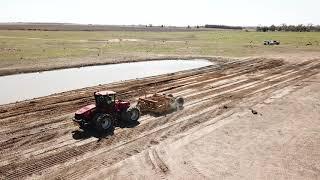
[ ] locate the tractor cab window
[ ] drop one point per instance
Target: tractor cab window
(110, 99)
(103, 100)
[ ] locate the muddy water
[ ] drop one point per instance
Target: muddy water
(31, 85)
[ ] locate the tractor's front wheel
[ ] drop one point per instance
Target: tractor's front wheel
(133, 114)
(103, 122)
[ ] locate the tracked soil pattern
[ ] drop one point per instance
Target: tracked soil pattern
(38, 136)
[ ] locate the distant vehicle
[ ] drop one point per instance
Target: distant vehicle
(271, 42)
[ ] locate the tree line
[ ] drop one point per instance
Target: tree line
(289, 28)
(222, 26)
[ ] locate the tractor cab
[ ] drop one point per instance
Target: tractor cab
(105, 101)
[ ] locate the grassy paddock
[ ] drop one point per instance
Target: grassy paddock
(45, 46)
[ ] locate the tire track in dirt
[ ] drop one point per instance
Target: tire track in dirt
(109, 152)
(157, 164)
(68, 154)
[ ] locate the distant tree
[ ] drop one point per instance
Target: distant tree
(291, 28)
(278, 28)
(265, 29)
(223, 27)
(284, 27)
(272, 28)
(301, 28)
(310, 27)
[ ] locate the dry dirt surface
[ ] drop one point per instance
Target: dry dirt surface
(249, 119)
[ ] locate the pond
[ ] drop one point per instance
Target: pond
(32, 85)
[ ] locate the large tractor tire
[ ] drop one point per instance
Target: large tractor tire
(179, 102)
(132, 114)
(103, 122)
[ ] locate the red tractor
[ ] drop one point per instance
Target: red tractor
(106, 112)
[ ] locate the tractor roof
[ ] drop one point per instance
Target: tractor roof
(103, 93)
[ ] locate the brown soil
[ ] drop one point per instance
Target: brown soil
(250, 119)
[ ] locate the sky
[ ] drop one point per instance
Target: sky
(166, 12)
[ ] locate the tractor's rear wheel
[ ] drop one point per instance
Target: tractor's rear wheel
(179, 101)
(103, 122)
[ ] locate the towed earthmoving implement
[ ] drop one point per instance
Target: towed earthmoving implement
(107, 110)
(160, 103)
